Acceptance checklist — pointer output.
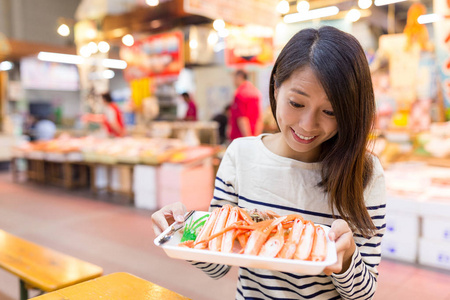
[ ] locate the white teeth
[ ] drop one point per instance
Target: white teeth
(304, 137)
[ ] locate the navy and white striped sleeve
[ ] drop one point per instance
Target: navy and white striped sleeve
(360, 280)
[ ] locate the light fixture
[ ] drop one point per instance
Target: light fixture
(364, 4)
(63, 30)
(76, 59)
(193, 44)
(283, 7)
(60, 58)
(85, 51)
(312, 14)
(430, 18)
(213, 38)
(353, 15)
(223, 33)
(386, 2)
(219, 24)
(6, 65)
(128, 40)
(302, 6)
(93, 48)
(152, 2)
(114, 63)
(103, 47)
(108, 74)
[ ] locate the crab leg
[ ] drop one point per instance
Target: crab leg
(273, 244)
(216, 243)
(230, 236)
(206, 230)
(259, 236)
(291, 243)
(304, 247)
(319, 248)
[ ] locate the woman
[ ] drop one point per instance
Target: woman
(317, 165)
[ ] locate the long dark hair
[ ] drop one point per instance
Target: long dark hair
(340, 64)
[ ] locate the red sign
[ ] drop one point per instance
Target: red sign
(156, 55)
(244, 48)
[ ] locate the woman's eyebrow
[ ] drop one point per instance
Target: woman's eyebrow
(300, 92)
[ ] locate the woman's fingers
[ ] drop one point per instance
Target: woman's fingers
(162, 218)
(342, 235)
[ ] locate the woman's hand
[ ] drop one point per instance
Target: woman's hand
(162, 218)
(345, 246)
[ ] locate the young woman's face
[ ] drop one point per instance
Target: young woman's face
(305, 116)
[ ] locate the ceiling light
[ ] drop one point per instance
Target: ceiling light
(302, 6)
(6, 65)
(193, 44)
(219, 24)
(103, 47)
(63, 30)
(60, 58)
(430, 18)
(152, 2)
(114, 63)
(312, 14)
(128, 40)
(85, 51)
(93, 48)
(364, 4)
(386, 2)
(213, 38)
(283, 7)
(353, 15)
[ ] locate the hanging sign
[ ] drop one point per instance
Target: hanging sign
(442, 40)
(243, 47)
(156, 55)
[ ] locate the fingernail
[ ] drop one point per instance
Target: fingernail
(179, 218)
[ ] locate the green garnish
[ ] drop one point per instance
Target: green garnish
(192, 229)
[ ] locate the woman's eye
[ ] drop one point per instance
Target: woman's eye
(295, 104)
(329, 113)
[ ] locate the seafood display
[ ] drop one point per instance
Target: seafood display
(231, 229)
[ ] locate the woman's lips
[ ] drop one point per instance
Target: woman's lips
(304, 140)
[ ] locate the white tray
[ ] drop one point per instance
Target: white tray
(250, 261)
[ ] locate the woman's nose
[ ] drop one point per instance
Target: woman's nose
(308, 121)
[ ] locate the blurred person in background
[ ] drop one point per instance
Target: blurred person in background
(44, 129)
(113, 117)
(245, 112)
(222, 119)
(191, 113)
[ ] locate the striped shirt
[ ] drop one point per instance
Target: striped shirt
(251, 176)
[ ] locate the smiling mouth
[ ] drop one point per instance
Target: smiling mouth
(306, 138)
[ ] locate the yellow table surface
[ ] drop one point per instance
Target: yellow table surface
(116, 286)
(42, 267)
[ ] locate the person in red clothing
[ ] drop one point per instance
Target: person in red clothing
(113, 119)
(245, 112)
(191, 113)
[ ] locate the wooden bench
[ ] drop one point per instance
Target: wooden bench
(40, 267)
(116, 286)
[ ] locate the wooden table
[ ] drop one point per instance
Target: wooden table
(116, 286)
(41, 267)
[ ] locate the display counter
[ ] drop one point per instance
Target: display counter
(152, 172)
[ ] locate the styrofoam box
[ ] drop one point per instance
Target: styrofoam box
(434, 253)
(121, 179)
(101, 177)
(402, 226)
(404, 204)
(192, 184)
(145, 178)
(398, 248)
(437, 207)
(146, 199)
(436, 228)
